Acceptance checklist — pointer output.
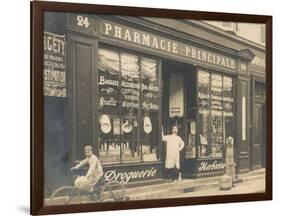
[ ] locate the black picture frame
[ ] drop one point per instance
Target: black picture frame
(37, 9)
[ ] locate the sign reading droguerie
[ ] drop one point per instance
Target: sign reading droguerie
(132, 174)
(54, 65)
(145, 39)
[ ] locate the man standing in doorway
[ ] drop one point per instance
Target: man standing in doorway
(174, 144)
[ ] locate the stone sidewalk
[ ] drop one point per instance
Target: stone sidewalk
(254, 186)
(251, 182)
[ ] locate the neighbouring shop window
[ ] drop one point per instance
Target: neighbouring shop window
(259, 90)
(215, 117)
(128, 107)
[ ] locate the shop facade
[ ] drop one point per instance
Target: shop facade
(126, 78)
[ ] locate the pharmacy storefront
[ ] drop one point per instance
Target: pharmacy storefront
(121, 80)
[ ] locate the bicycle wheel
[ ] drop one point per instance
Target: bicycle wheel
(112, 191)
(64, 195)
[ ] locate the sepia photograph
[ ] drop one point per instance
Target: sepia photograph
(152, 108)
(152, 112)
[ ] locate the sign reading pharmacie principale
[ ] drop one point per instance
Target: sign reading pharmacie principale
(152, 41)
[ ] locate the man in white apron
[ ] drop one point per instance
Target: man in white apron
(174, 144)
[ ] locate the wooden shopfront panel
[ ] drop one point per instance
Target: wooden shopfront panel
(81, 94)
(257, 136)
(242, 142)
(258, 143)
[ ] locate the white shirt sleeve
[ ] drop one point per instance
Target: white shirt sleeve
(164, 138)
(181, 143)
(82, 163)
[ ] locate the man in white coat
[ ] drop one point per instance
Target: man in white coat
(174, 144)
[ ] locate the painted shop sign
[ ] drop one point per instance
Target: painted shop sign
(206, 166)
(258, 61)
(54, 65)
(152, 41)
(125, 176)
(258, 64)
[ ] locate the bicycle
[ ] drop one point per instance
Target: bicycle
(104, 191)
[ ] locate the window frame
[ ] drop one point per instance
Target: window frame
(139, 115)
(199, 124)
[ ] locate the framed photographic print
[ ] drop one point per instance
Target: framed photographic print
(133, 104)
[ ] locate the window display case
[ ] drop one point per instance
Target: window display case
(216, 137)
(203, 112)
(190, 150)
(128, 107)
(150, 109)
(215, 113)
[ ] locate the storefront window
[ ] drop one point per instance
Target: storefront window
(150, 109)
(191, 137)
(130, 102)
(128, 107)
(204, 111)
(227, 96)
(228, 108)
(215, 118)
(109, 118)
(259, 91)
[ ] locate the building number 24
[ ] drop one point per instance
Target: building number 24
(83, 21)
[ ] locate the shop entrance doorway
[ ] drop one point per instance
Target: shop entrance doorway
(179, 95)
(259, 133)
(179, 106)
